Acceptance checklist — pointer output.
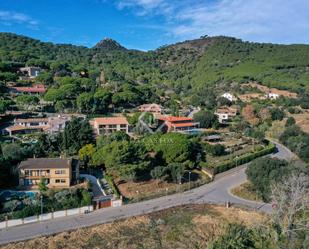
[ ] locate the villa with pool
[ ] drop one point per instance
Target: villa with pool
(57, 172)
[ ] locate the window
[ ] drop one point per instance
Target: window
(60, 181)
(123, 125)
(60, 172)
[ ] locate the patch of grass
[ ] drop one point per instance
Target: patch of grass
(247, 192)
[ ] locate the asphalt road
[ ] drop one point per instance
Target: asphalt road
(216, 192)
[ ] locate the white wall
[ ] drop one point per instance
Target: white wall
(48, 216)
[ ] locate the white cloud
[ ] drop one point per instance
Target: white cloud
(147, 7)
(282, 21)
(11, 17)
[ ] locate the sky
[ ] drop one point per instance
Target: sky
(149, 24)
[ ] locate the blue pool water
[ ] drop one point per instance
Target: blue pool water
(195, 132)
(6, 195)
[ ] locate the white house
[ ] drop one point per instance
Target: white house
(228, 96)
(225, 113)
(273, 95)
(30, 72)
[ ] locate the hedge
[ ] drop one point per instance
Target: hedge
(242, 159)
(111, 183)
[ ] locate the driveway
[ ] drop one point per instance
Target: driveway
(216, 192)
(96, 186)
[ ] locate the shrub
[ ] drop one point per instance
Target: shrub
(265, 171)
(290, 121)
(243, 159)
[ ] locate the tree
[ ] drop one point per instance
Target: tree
(47, 145)
(86, 152)
(276, 114)
(159, 173)
(206, 119)
(115, 136)
(176, 171)
(263, 172)
(224, 101)
(76, 134)
(102, 98)
(174, 147)
(290, 121)
(27, 100)
(45, 77)
(43, 185)
(85, 102)
(4, 105)
(291, 200)
(12, 152)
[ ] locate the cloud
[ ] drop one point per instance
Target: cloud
(11, 17)
(147, 7)
(282, 21)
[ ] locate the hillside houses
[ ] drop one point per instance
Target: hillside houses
(177, 124)
(272, 93)
(35, 89)
(226, 113)
(49, 125)
(229, 96)
(30, 72)
(152, 108)
(108, 125)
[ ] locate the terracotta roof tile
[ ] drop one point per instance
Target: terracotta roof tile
(111, 120)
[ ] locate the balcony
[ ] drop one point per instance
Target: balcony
(34, 176)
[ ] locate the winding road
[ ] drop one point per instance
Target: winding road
(216, 192)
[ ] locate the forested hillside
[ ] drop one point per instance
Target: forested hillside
(188, 67)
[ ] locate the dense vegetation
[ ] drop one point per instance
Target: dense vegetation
(296, 140)
(187, 68)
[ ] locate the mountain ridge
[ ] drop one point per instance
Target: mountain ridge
(185, 66)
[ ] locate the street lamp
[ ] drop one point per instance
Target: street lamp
(41, 204)
(189, 180)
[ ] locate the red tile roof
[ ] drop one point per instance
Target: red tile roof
(34, 89)
(175, 119)
(111, 120)
(185, 125)
(21, 128)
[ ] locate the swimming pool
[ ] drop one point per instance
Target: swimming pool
(195, 132)
(6, 195)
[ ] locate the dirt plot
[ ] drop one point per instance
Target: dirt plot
(302, 120)
(186, 227)
(141, 190)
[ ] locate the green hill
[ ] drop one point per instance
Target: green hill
(186, 67)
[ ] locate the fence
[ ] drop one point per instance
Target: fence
(47, 216)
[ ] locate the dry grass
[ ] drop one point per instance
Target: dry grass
(302, 120)
(184, 227)
(141, 190)
(245, 191)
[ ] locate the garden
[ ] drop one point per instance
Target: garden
(233, 150)
(20, 204)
